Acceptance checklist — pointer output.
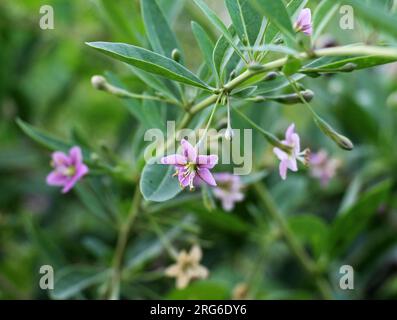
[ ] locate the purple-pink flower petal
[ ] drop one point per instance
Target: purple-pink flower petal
(175, 160)
(56, 179)
(189, 151)
(304, 22)
(60, 159)
(206, 176)
(281, 155)
(207, 161)
(283, 169)
(76, 156)
(68, 169)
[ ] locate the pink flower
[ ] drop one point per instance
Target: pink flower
(304, 22)
(192, 168)
(68, 169)
(228, 190)
(289, 160)
(322, 167)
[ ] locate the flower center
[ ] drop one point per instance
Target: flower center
(69, 171)
(186, 266)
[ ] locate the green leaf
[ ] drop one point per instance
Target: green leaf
(143, 251)
(374, 14)
(221, 220)
(276, 84)
(277, 13)
(205, 44)
(161, 85)
(362, 62)
(92, 201)
(293, 8)
(201, 290)
(349, 224)
(217, 22)
(158, 184)
(149, 61)
(72, 280)
(292, 66)
(159, 33)
(253, 177)
(322, 16)
(43, 138)
(246, 21)
(148, 112)
(225, 58)
(310, 230)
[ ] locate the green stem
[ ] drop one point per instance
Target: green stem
(125, 229)
(335, 51)
(294, 245)
(268, 136)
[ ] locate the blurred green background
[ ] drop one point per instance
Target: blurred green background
(45, 80)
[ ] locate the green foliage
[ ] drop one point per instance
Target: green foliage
(123, 224)
(149, 61)
(158, 184)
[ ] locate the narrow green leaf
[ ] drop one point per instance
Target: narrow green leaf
(147, 112)
(292, 66)
(322, 16)
(217, 22)
(246, 20)
(352, 222)
(205, 44)
(310, 230)
(277, 13)
(293, 8)
(149, 61)
(225, 59)
(71, 281)
(158, 184)
(43, 138)
(159, 33)
(277, 84)
(362, 62)
(161, 85)
(142, 251)
(87, 195)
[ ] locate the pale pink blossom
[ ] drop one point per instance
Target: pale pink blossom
(192, 168)
(228, 190)
(68, 169)
(289, 160)
(304, 22)
(322, 167)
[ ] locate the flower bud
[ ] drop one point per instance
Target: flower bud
(342, 141)
(176, 55)
(271, 76)
(348, 67)
(229, 134)
(258, 99)
(279, 41)
(294, 97)
(99, 82)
